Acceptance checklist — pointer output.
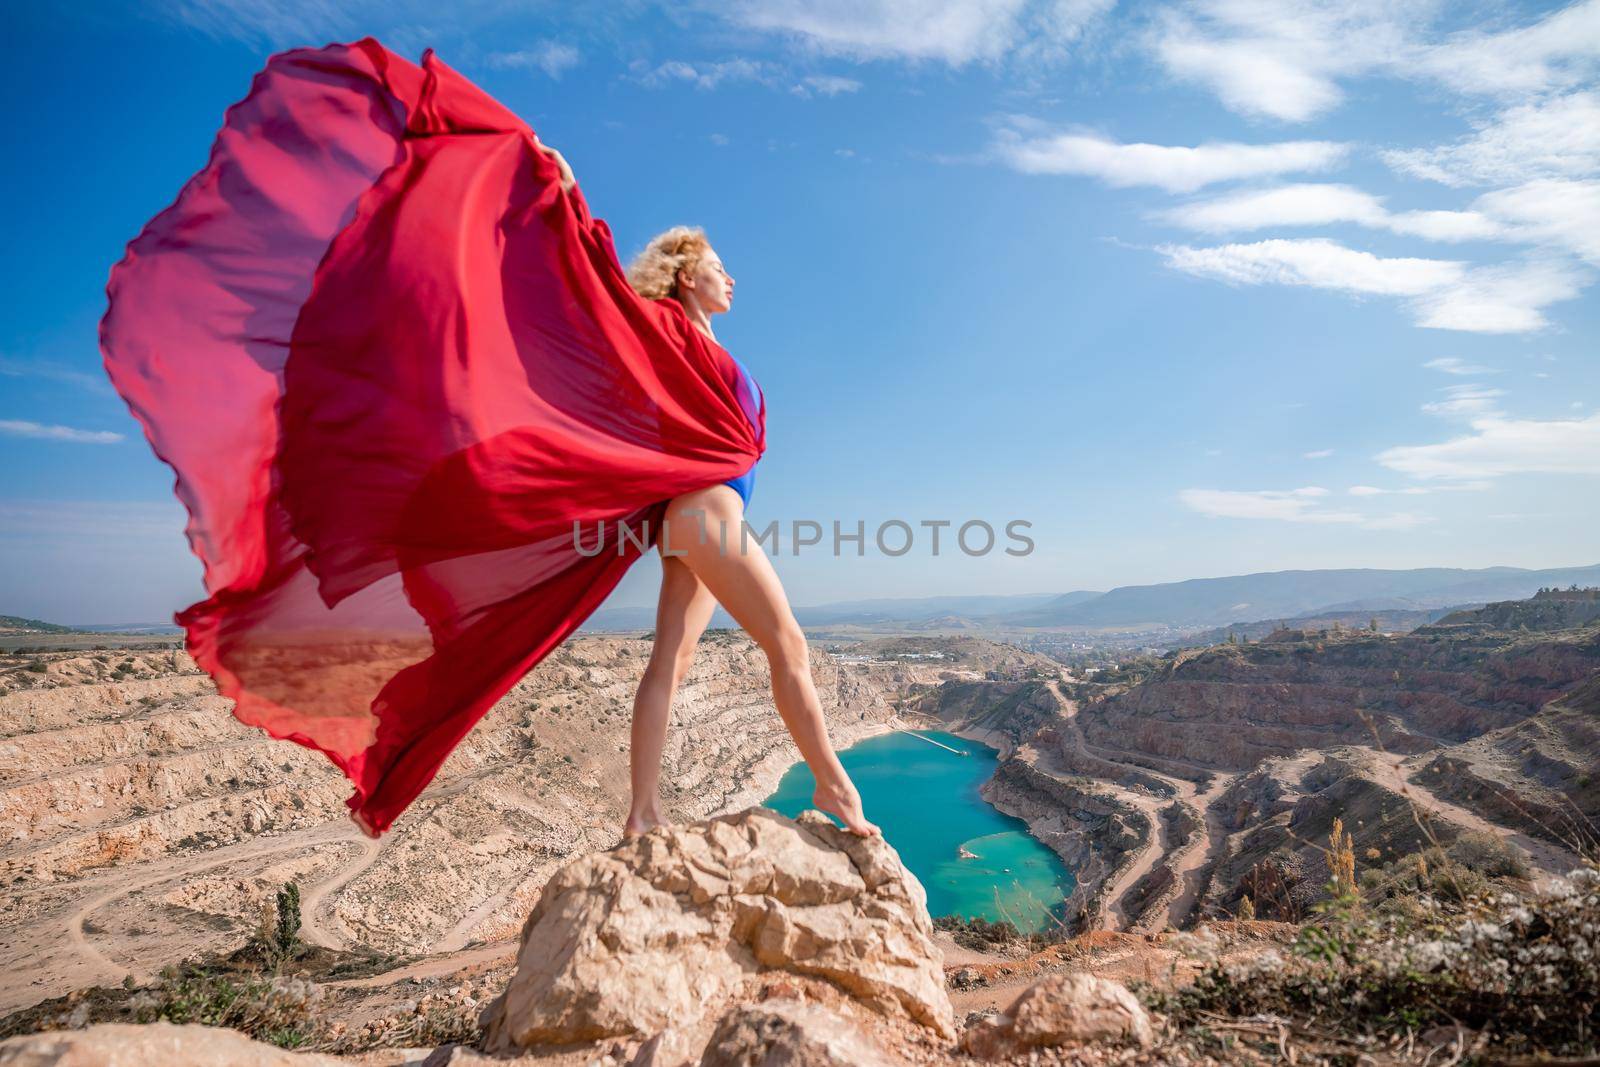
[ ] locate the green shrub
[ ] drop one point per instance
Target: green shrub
(276, 1010)
(977, 933)
(1521, 970)
(1490, 856)
(277, 936)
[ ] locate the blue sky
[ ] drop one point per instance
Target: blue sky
(1195, 288)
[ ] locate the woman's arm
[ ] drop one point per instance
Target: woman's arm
(568, 180)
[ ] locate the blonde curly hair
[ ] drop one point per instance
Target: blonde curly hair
(654, 272)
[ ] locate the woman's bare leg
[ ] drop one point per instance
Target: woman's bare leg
(742, 577)
(682, 613)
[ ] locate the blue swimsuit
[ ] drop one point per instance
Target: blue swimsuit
(750, 401)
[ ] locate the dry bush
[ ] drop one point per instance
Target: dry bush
(1522, 970)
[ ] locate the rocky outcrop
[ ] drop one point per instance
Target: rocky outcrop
(1232, 706)
(1012, 707)
(783, 1032)
(1539, 775)
(1093, 832)
(1282, 814)
(1263, 744)
(1546, 610)
(124, 767)
(1062, 1009)
(151, 1045)
(670, 929)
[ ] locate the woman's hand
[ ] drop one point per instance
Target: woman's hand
(568, 180)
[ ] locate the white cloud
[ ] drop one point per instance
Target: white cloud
(1447, 225)
(1548, 213)
(1554, 138)
(711, 75)
(956, 32)
(1309, 204)
(278, 22)
(1418, 490)
(1321, 453)
(1465, 401)
(55, 372)
(1560, 50)
(1280, 59)
(706, 75)
(1287, 505)
(1400, 520)
(1317, 204)
(1503, 299)
(1370, 490)
(1052, 26)
(97, 519)
(1316, 262)
(1285, 59)
(1027, 146)
(1499, 446)
(1551, 212)
(1454, 365)
(826, 85)
(1444, 294)
(552, 57)
(23, 428)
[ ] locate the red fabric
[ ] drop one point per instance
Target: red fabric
(392, 363)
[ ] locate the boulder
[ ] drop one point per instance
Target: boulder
(667, 930)
(1062, 1009)
(159, 1044)
(790, 1033)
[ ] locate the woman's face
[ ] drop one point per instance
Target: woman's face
(709, 283)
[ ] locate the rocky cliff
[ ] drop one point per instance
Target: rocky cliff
(1224, 770)
(752, 939)
(140, 823)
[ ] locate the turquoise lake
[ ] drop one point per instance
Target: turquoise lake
(926, 800)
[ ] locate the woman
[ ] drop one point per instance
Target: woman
(397, 369)
(681, 266)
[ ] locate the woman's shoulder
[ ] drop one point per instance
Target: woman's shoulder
(680, 317)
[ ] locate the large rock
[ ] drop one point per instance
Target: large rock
(790, 1033)
(151, 1045)
(667, 930)
(1063, 1009)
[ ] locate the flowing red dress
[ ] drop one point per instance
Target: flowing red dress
(402, 380)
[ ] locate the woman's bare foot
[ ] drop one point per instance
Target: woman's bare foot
(844, 803)
(639, 823)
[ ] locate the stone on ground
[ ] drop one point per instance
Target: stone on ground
(668, 930)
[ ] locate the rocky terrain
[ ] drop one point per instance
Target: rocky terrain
(751, 939)
(141, 826)
(1219, 776)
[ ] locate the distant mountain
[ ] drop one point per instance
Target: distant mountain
(15, 624)
(1193, 604)
(947, 611)
(1283, 594)
(1546, 611)
(12, 624)
(1389, 622)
